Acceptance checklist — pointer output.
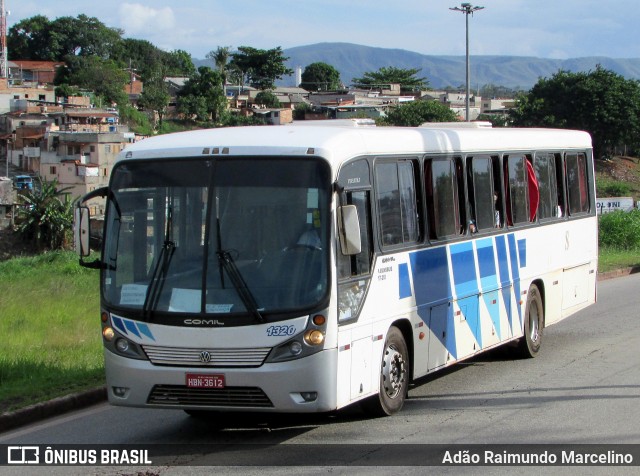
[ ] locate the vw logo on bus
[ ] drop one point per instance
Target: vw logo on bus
(205, 357)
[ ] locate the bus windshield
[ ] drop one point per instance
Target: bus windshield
(241, 240)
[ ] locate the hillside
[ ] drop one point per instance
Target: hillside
(621, 169)
(511, 71)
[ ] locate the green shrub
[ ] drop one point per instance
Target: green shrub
(620, 230)
(612, 188)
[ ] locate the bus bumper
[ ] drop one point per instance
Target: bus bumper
(306, 385)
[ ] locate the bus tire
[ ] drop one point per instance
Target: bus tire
(394, 377)
(529, 344)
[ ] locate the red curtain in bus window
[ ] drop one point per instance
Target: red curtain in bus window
(534, 191)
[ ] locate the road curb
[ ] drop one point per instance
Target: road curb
(51, 408)
(618, 273)
(61, 405)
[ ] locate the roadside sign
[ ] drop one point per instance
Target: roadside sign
(612, 204)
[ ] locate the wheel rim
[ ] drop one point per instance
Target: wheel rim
(393, 371)
(534, 319)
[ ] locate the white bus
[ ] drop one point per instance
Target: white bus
(304, 268)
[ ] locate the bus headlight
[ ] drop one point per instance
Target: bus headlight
(310, 341)
(313, 337)
(117, 343)
(108, 333)
(295, 348)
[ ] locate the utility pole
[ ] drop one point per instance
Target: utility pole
(4, 69)
(467, 9)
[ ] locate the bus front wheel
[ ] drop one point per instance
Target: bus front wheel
(394, 377)
(533, 324)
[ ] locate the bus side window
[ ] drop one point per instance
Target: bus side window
(544, 165)
(577, 190)
(360, 264)
(516, 188)
(482, 196)
(397, 204)
(498, 201)
(559, 171)
(443, 191)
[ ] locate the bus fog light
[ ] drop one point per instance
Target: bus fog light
(108, 334)
(295, 348)
(122, 345)
(120, 391)
(314, 337)
(309, 396)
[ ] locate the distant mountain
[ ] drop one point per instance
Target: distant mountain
(352, 61)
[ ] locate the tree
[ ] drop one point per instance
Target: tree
(105, 77)
(261, 68)
(414, 113)
(146, 59)
(47, 217)
(37, 38)
(221, 57)
(320, 77)
(155, 96)
(600, 102)
(405, 77)
(178, 63)
(496, 91)
(142, 56)
(267, 99)
(29, 39)
(83, 36)
(65, 90)
(202, 95)
(496, 120)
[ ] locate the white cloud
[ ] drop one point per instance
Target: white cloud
(137, 19)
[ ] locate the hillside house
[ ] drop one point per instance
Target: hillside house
(16, 98)
(82, 160)
(32, 72)
(275, 117)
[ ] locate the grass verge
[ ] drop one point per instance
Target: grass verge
(610, 259)
(50, 341)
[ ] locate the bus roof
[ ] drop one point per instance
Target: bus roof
(345, 140)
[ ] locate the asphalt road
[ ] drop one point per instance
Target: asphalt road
(583, 388)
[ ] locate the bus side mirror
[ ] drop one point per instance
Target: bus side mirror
(349, 230)
(82, 224)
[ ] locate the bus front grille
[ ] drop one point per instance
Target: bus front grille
(225, 397)
(181, 356)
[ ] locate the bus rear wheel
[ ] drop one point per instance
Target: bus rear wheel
(529, 345)
(394, 377)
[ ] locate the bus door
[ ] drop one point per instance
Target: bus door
(355, 366)
(578, 276)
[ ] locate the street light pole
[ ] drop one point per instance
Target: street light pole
(467, 9)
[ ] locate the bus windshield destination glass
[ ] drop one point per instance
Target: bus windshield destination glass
(308, 267)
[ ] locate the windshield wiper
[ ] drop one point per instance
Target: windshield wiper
(226, 262)
(159, 274)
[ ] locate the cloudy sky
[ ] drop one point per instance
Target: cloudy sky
(543, 28)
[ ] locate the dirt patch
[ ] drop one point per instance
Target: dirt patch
(622, 169)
